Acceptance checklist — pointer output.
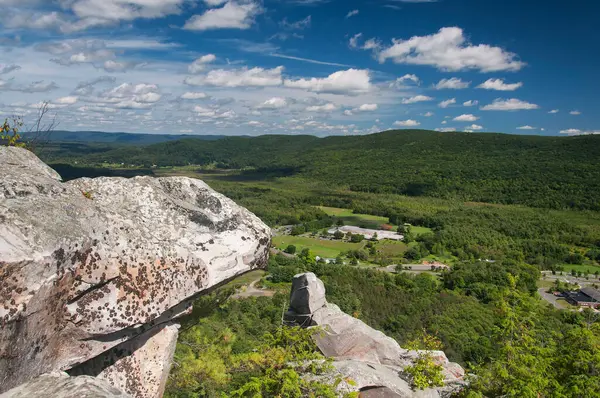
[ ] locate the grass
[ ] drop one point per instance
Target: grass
(365, 220)
(247, 278)
(322, 248)
(391, 248)
(589, 269)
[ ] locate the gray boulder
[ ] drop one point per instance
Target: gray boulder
(60, 385)
(90, 264)
(364, 354)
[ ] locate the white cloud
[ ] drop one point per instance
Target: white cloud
(466, 118)
(322, 108)
(114, 66)
(232, 15)
(298, 25)
(449, 50)
(274, 103)
(526, 127)
(194, 95)
(447, 103)
(473, 127)
(512, 104)
(554, 111)
(575, 113)
(243, 77)
(353, 42)
(348, 112)
(446, 129)
(352, 13)
(4, 69)
(416, 98)
(428, 114)
(199, 64)
(70, 100)
(367, 108)
(499, 85)
(350, 82)
(406, 123)
(471, 103)
(453, 83)
(579, 132)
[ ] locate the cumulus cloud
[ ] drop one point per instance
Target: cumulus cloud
(449, 50)
(453, 83)
(35, 87)
(575, 113)
(471, 103)
(406, 123)
(554, 111)
(115, 66)
(352, 13)
(4, 69)
(353, 42)
(499, 85)
(512, 104)
(199, 64)
(243, 77)
(330, 107)
(526, 127)
(447, 103)
(70, 100)
(416, 98)
(446, 129)
(473, 127)
(466, 118)
(349, 82)
(232, 15)
(367, 108)
(274, 103)
(214, 3)
(428, 114)
(194, 95)
(87, 87)
(400, 83)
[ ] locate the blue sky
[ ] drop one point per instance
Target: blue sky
(324, 67)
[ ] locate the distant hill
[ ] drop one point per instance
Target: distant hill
(118, 138)
(551, 172)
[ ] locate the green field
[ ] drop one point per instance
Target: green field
(589, 269)
(365, 220)
(323, 248)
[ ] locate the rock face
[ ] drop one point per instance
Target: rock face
(60, 385)
(88, 265)
(363, 354)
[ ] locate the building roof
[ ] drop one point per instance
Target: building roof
(591, 292)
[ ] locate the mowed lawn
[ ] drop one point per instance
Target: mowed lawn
(365, 220)
(322, 248)
(589, 269)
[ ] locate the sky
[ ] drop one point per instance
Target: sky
(323, 67)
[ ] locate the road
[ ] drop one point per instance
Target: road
(549, 297)
(253, 291)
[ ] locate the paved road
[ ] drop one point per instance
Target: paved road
(549, 297)
(253, 291)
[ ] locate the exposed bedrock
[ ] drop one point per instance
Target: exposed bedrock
(92, 264)
(365, 355)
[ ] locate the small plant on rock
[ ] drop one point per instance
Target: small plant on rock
(425, 372)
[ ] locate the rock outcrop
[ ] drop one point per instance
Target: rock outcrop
(365, 355)
(60, 385)
(92, 271)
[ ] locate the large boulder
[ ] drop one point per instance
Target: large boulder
(361, 353)
(93, 263)
(60, 385)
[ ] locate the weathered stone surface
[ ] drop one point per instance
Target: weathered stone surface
(360, 351)
(60, 385)
(139, 367)
(89, 264)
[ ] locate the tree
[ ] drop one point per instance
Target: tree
(339, 235)
(291, 249)
(9, 133)
(305, 253)
(298, 230)
(375, 237)
(357, 238)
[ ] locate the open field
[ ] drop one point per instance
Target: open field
(365, 220)
(392, 249)
(246, 279)
(323, 248)
(586, 269)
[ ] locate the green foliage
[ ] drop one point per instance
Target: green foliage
(425, 372)
(9, 133)
(357, 238)
(291, 249)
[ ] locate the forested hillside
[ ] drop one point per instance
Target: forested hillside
(550, 172)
